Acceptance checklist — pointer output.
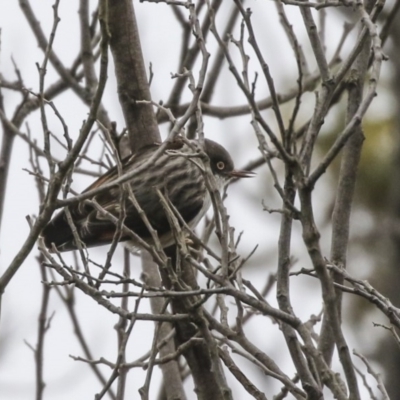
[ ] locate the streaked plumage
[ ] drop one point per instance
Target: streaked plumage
(178, 177)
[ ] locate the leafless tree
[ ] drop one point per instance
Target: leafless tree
(212, 324)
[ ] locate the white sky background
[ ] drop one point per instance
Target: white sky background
(160, 35)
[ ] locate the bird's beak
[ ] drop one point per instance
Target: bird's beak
(236, 173)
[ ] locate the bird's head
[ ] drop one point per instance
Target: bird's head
(221, 162)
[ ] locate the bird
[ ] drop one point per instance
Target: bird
(176, 172)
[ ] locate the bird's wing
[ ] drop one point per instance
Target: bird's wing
(91, 230)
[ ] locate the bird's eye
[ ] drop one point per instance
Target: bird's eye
(220, 165)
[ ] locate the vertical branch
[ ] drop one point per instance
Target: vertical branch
(283, 291)
(171, 375)
(311, 238)
(87, 56)
(5, 159)
(42, 76)
(122, 331)
(131, 75)
(345, 190)
(43, 318)
(43, 325)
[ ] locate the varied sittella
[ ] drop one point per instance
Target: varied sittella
(177, 176)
